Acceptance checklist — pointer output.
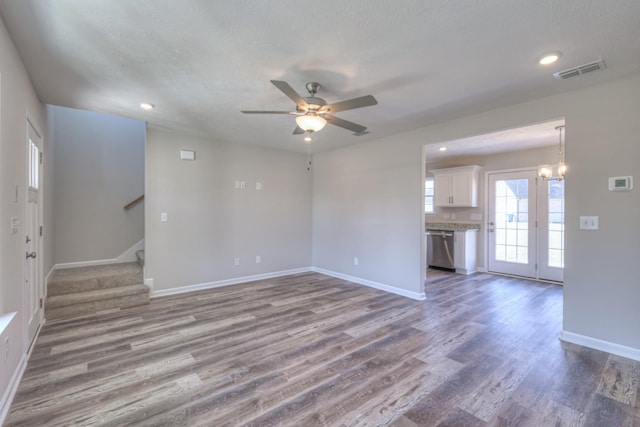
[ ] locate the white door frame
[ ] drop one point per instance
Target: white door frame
(33, 317)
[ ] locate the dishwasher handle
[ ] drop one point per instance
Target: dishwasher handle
(439, 233)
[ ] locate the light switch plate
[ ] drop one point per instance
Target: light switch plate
(589, 223)
(164, 217)
(187, 155)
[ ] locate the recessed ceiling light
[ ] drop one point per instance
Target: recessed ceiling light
(550, 58)
(442, 148)
(147, 106)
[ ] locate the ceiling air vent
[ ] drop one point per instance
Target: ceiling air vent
(582, 69)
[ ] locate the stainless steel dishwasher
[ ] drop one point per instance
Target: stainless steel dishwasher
(440, 249)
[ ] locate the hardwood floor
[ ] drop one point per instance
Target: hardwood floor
(313, 350)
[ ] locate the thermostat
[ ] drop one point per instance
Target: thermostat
(620, 183)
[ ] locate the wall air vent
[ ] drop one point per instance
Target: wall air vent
(582, 69)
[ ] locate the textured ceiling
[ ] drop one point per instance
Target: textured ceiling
(518, 139)
(201, 62)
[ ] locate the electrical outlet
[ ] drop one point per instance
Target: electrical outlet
(258, 259)
(356, 261)
(236, 261)
(589, 223)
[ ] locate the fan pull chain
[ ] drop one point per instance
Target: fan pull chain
(309, 157)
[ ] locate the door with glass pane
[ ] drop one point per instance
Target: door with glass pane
(551, 230)
(512, 221)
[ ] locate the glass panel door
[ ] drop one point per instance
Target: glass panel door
(551, 233)
(512, 215)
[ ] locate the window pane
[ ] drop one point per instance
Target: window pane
(556, 224)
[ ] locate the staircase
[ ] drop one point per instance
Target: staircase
(88, 290)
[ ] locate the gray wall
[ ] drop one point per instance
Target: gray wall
(18, 101)
(99, 168)
(210, 222)
(601, 282)
(367, 204)
(511, 160)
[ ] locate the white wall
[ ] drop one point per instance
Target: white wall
(601, 281)
(18, 100)
(210, 222)
(502, 161)
(99, 169)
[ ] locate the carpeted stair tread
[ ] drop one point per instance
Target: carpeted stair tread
(68, 281)
(96, 295)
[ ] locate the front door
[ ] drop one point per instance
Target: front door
(33, 288)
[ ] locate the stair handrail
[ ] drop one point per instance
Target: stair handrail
(133, 203)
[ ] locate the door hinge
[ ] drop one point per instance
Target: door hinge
(40, 302)
(40, 231)
(536, 266)
(40, 157)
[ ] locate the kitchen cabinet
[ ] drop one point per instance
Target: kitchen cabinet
(456, 187)
(465, 249)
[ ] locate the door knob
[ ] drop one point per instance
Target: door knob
(31, 255)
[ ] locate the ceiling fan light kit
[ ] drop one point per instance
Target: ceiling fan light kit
(311, 122)
(313, 113)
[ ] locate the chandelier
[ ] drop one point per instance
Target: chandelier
(557, 173)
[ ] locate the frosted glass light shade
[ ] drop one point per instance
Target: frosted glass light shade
(311, 123)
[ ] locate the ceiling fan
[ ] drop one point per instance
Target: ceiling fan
(314, 113)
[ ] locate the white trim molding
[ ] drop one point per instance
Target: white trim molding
(127, 256)
(606, 346)
(387, 288)
(12, 388)
(226, 282)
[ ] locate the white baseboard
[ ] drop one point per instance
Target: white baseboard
(127, 256)
(606, 346)
(130, 254)
(149, 283)
(392, 289)
(481, 270)
(10, 393)
(227, 282)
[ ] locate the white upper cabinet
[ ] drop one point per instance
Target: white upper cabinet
(456, 187)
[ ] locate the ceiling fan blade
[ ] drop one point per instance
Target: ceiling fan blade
(265, 112)
(356, 128)
(350, 104)
(290, 92)
(298, 131)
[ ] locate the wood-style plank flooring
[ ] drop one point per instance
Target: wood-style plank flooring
(309, 350)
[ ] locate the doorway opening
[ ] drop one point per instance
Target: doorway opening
(519, 218)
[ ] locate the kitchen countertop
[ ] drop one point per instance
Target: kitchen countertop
(454, 226)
